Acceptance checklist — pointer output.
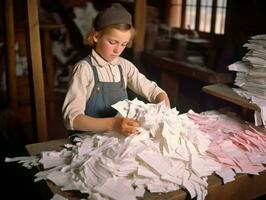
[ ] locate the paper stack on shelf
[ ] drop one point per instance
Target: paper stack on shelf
(251, 75)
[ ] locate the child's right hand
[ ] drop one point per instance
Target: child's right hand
(126, 126)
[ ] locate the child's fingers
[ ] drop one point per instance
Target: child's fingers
(132, 122)
(130, 126)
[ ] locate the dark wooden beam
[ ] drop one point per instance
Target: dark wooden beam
(36, 79)
(10, 55)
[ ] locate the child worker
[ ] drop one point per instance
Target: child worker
(100, 80)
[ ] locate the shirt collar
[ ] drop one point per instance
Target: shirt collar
(98, 60)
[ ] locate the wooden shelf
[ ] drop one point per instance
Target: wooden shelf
(170, 65)
(223, 91)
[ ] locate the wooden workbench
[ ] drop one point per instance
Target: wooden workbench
(224, 92)
(244, 187)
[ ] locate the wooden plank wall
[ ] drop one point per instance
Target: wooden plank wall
(10, 56)
(140, 24)
(34, 57)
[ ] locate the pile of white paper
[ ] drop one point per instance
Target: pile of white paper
(171, 151)
(251, 75)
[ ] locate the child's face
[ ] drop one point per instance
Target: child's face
(112, 43)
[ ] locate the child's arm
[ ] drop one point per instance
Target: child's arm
(121, 125)
(162, 97)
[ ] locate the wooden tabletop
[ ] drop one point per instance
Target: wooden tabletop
(244, 187)
(223, 91)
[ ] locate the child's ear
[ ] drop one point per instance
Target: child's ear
(96, 37)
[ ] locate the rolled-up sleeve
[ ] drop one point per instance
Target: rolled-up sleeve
(80, 87)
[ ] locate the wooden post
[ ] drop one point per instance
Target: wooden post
(35, 70)
(49, 65)
(140, 25)
(11, 55)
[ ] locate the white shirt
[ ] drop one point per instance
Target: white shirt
(82, 82)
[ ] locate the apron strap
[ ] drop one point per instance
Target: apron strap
(95, 73)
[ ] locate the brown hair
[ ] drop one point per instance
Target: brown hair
(122, 27)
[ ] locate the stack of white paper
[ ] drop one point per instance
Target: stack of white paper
(251, 75)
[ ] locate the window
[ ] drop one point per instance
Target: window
(200, 15)
(190, 19)
(205, 16)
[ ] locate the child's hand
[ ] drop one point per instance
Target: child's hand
(126, 126)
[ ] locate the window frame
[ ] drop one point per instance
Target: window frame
(197, 20)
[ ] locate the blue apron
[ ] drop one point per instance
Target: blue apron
(103, 96)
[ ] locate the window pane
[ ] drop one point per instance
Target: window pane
(206, 2)
(190, 20)
(209, 2)
(224, 3)
(193, 2)
(202, 18)
(205, 18)
(220, 16)
(208, 19)
(221, 3)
